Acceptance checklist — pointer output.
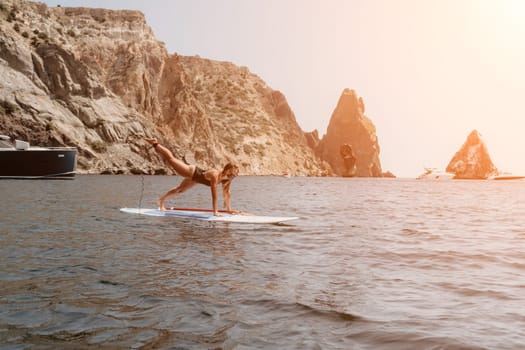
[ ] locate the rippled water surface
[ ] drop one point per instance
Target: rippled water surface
(371, 264)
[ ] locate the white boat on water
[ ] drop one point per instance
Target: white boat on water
(19, 160)
(434, 174)
(507, 176)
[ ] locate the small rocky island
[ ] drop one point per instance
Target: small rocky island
(472, 161)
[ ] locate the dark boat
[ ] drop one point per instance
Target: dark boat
(21, 161)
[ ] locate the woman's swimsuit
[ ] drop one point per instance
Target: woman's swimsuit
(198, 177)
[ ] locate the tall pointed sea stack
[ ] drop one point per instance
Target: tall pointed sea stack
(472, 161)
(349, 126)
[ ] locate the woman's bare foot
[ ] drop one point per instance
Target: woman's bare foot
(160, 203)
(151, 140)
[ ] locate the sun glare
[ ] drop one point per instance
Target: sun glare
(506, 17)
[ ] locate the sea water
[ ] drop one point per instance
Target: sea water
(371, 264)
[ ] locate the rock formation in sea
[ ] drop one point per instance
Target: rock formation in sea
(350, 126)
(99, 80)
(472, 161)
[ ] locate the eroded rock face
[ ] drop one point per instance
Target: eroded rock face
(221, 112)
(100, 81)
(349, 160)
(348, 125)
(472, 161)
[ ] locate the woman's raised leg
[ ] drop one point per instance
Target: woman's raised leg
(178, 165)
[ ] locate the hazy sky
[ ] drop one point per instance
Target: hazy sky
(429, 71)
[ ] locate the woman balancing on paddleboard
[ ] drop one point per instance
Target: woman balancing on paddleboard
(194, 175)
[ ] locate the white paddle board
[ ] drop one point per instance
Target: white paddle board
(207, 215)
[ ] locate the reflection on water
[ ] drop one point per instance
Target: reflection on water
(372, 264)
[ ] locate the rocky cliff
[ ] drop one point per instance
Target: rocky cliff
(349, 126)
(472, 161)
(218, 111)
(68, 79)
(100, 81)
